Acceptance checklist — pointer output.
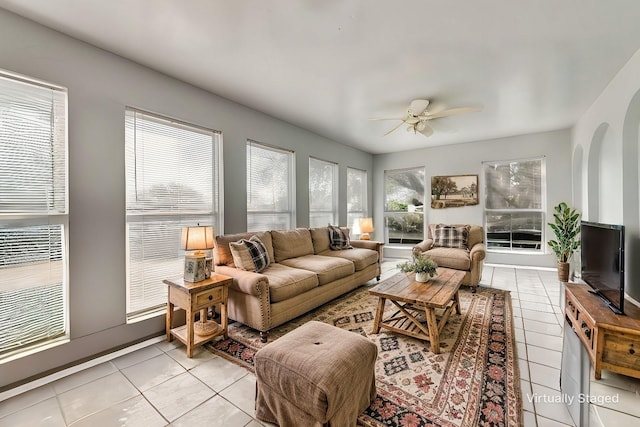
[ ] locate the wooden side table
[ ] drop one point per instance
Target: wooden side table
(194, 297)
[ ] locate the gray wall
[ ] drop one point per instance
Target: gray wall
(100, 85)
(606, 143)
(466, 159)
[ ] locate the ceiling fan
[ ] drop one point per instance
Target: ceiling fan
(418, 116)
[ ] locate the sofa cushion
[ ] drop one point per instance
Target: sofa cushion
(450, 258)
(361, 257)
(287, 282)
(291, 243)
(250, 255)
(222, 253)
(328, 269)
(338, 238)
(320, 239)
(449, 236)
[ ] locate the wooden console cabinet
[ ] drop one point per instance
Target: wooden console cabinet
(612, 341)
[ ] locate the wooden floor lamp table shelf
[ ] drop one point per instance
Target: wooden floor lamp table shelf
(196, 297)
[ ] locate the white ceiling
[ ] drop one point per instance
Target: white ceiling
(330, 65)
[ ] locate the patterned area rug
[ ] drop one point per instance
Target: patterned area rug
(474, 381)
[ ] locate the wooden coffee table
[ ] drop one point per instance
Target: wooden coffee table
(414, 299)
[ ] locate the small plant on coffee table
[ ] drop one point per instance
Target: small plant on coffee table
(424, 267)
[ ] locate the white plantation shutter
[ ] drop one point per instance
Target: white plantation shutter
(33, 213)
(172, 176)
(323, 193)
(356, 195)
(270, 192)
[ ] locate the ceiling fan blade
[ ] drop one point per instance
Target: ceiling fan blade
(452, 112)
(394, 128)
(418, 106)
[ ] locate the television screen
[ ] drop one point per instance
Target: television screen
(602, 256)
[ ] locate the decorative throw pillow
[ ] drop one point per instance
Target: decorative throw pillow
(250, 255)
(449, 236)
(338, 238)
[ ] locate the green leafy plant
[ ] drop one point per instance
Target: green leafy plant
(566, 228)
(419, 264)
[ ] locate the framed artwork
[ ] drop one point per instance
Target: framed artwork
(454, 191)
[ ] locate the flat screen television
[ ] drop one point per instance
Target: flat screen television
(602, 257)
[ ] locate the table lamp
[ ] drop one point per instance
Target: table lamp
(197, 267)
(197, 239)
(366, 227)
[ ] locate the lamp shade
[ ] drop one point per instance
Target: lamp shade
(366, 225)
(197, 238)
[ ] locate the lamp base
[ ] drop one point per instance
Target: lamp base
(194, 268)
(365, 236)
(205, 328)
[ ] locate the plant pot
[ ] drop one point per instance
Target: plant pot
(422, 277)
(563, 271)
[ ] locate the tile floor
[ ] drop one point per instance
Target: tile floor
(155, 384)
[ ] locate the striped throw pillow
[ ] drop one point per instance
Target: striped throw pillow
(338, 238)
(250, 255)
(449, 236)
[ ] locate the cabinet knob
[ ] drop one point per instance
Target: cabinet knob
(210, 297)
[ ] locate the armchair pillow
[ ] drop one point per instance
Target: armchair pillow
(449, 236)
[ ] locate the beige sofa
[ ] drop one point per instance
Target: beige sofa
(304, 273)
(470, 260)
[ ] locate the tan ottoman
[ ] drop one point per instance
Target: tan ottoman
(316, 375)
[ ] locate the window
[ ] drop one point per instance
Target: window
(270, 188)
(515, 207)
(323, 193)
(404, 206)
(173, 180)
(33, 214)
(356, 196)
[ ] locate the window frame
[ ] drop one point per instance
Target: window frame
(291, 183)
(542, 210)
(334, 211)
(54, 214)
(185, 217)
(387, 213)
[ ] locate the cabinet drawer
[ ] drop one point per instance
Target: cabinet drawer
(621, 349)
(209, 297)
(585, 329)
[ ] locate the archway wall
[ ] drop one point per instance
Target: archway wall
(607, 136)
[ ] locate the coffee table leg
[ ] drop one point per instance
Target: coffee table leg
(379, 312)
(456, 298)
(432, 324)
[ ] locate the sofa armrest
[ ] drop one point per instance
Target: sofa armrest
(248, 282)
(421, 247)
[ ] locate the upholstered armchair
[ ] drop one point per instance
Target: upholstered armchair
(457, 246)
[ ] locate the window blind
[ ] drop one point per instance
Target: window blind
(172, 180)
(356, 196)
(515, 208)
(33, 213)
(404, 205)
(270, 192)
(323, 193)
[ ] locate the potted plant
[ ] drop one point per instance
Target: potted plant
(424, 267)
(566, 228)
